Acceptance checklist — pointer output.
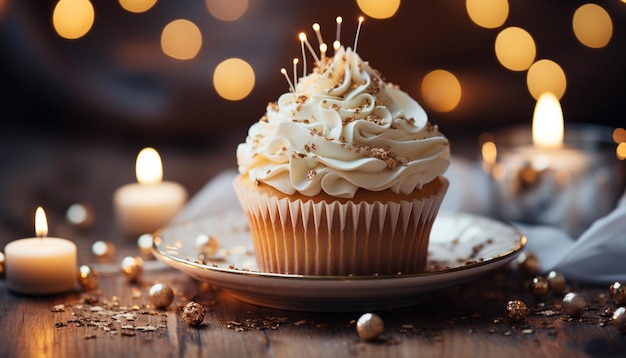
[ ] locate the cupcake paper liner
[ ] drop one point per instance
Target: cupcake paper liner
(333, 238)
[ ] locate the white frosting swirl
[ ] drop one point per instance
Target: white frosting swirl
(342, 130)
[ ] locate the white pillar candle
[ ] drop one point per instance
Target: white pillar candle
(40, 265)
(151, 203)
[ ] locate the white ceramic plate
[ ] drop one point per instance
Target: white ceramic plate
(462, 247)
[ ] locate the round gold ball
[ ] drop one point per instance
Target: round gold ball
(132, 268)
(369, 326)
(539, 287)
(517, 310)
(144, 244)
(103, 249)
(619, 319)
(618, 293)
(161, 295)
(528, 263)
(193, 313)
(88, 278)
(207, 245)
(574, 304)
(556, 281)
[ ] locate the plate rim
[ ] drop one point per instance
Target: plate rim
(165, 257)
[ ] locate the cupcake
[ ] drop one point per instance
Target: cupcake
(342, 175)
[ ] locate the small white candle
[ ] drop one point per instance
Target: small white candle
(146, 206)
(40, 265)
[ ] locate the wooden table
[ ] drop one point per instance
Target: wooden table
(116, 320)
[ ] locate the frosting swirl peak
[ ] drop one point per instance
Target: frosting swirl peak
(343, 129)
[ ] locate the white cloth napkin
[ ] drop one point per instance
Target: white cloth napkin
(597, 256)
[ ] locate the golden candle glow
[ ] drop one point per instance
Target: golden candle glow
(620, 151)
(137, 6)
(487, 13)
(592, 26)
(41, 223)
(379, 9)
(619, 134)
(441, 90)
(489, 152)
(148, 167)
(72, 19)
(181, 39)
(546, 76)
(227, 10)
(548, 122)
(515, 49)
(233, 79)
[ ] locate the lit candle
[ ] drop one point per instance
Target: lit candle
(146, 206)
(547, 150)
(40, 265)
(561, 178)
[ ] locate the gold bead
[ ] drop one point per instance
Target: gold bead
(574, 304)
(80, 215)
(619, 319)
(132, 267)
(618, 293)
(1, 264)
(517, 310)
(556, 281)
(103, 250)
(161, 295)
(528, 263)
(206, 245)
(193, 313)
(369, 326)
(88, 278)
(539, 287)
(144, 244)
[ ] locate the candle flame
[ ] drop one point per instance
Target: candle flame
(148, 168)
(41, 224)
(548, 122)
(489, 152)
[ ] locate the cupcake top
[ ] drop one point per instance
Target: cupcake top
(344, 128)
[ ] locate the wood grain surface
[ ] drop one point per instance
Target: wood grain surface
(117, 321)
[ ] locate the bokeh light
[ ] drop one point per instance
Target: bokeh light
(515, 49)
(233, 79)
(72, 19)
(620, 151)
(441, 90)
(227, 10)
(592, 26)
(488, 13)
(546, 76)
(379, 9)
(619, 134)
(137, 6)
(181, 39)
(489, 152)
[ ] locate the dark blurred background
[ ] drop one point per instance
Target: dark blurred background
(115, 81)
(75, 112)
